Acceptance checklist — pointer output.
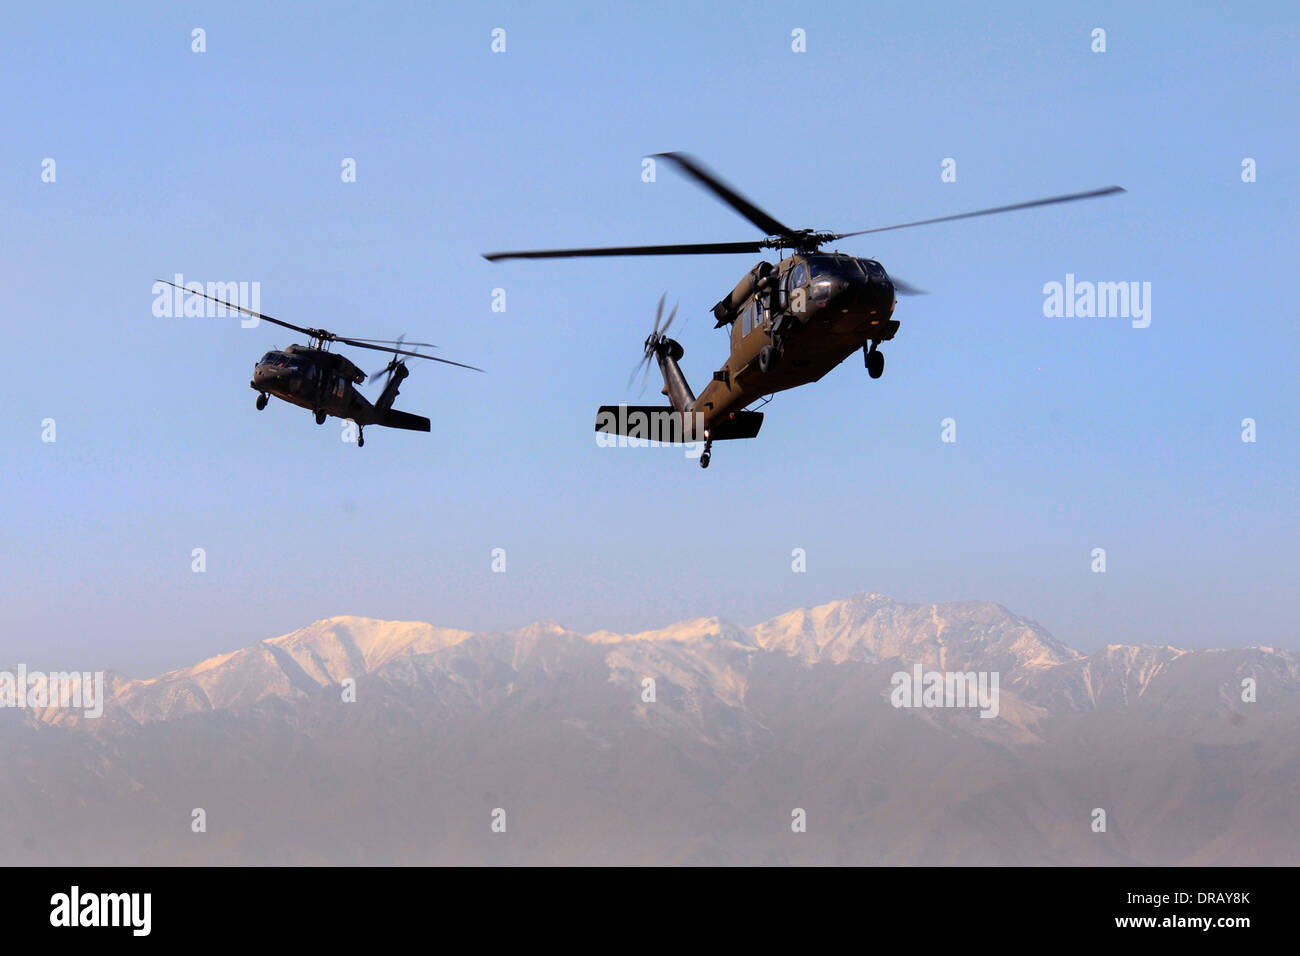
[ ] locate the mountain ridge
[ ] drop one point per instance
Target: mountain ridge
(865, 628)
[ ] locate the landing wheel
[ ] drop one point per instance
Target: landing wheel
(875, 363)
(767, 357)
(261, 401)
(320, 417)
(361, 440)
(704, 459)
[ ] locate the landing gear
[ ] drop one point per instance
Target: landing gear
(874, 359)
(320, 416)
(767, 358)
(706, 454)
(261, 401)
(361, 438)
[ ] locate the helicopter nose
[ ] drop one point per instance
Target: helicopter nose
(870, 294)
(882, 292)
(268, 376)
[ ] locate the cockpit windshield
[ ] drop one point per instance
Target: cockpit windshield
(834, 265)
(821, 265)
(872, 267)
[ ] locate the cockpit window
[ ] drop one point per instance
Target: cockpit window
(820, 265)
(833, 265)
(872, 267)
(799, 275)
(267, 359)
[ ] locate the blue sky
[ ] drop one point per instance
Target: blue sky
(1072, 434)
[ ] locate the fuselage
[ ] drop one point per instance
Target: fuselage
(316, 380)
(813, 310)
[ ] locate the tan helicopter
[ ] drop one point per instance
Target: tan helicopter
(324, 382)
(791, 321)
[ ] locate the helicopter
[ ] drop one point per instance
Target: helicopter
(325, 383)
(790, 322)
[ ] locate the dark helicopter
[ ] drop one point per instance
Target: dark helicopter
(791, 321)
(325, 383)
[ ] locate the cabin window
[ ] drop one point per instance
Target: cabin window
(799, 276)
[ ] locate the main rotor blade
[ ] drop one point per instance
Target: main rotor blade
(240, 308)
(1092, 194)
(379, 348)
(694, 168)
(677, 249)
(428, 345)
(906, 288)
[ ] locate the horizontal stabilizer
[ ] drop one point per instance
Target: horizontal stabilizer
(412, 423)
(737, 425)
(663, 423)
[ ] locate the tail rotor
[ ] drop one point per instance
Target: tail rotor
(393, 363)
(655, 341)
